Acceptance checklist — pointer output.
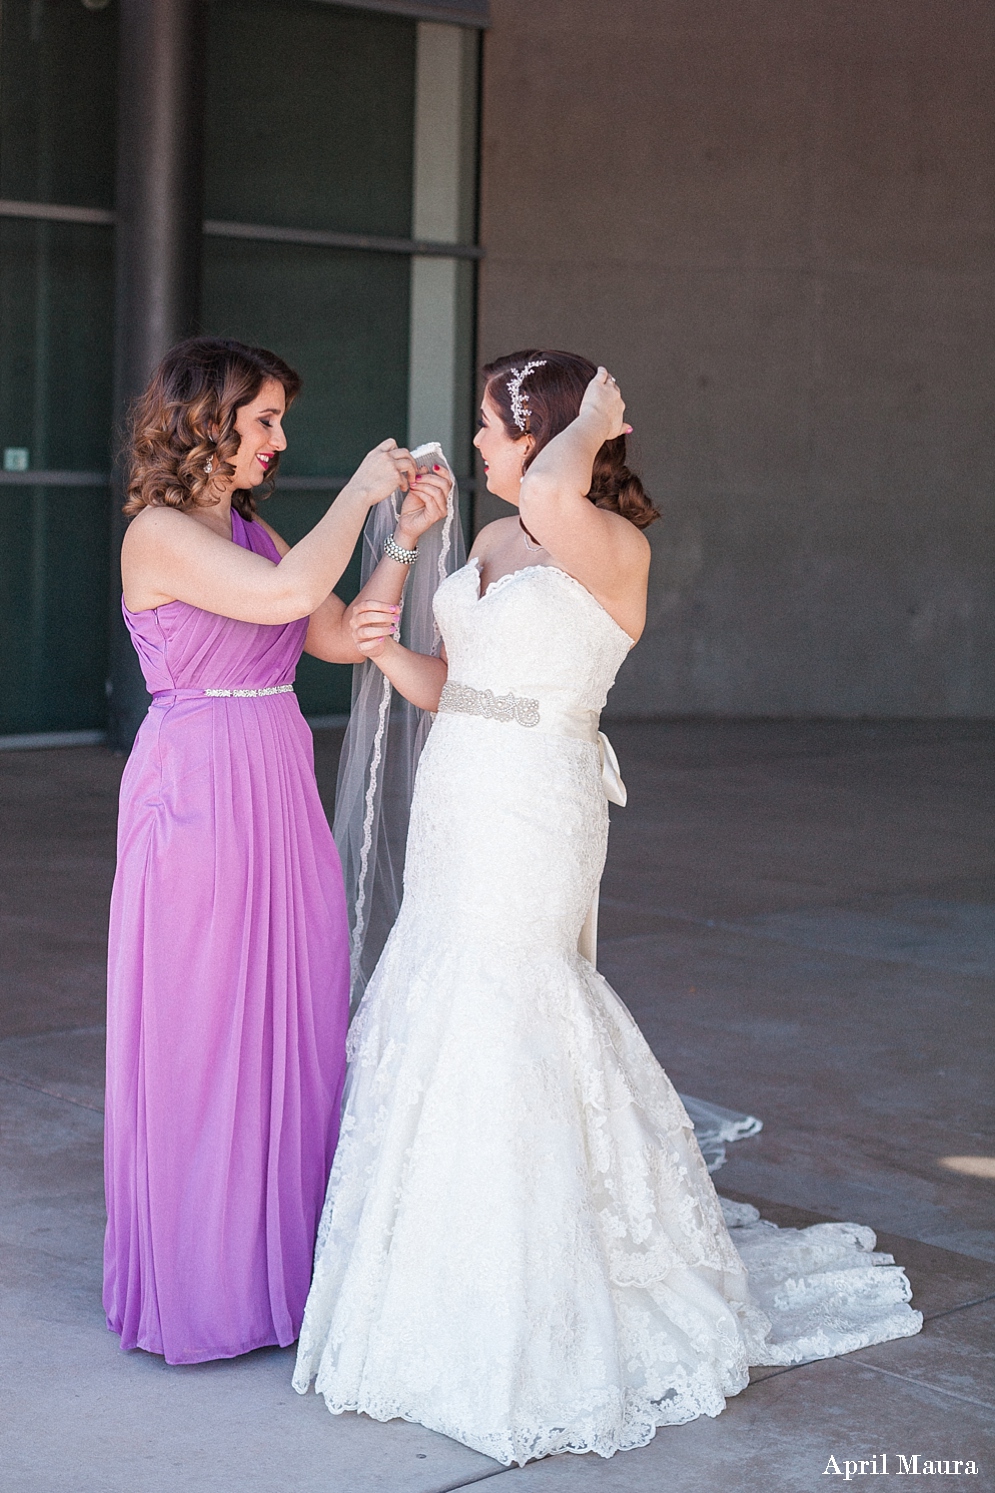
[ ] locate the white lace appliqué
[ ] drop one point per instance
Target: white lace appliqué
(521, 1247)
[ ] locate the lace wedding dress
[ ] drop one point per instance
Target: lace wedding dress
(521, 1246)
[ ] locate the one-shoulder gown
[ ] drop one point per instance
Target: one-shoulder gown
(227, 993)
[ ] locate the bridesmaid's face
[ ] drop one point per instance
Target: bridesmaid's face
(503, 457)
(260, 426)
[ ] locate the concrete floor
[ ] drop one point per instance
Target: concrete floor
(802, 918)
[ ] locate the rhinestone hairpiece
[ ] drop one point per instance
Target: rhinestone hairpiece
(520, 411)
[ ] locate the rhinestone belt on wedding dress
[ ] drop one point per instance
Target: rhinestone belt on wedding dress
(553, 720)
(579, 725)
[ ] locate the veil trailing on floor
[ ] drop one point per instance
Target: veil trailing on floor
(385, 736)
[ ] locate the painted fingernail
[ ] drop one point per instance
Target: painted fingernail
(436, 468)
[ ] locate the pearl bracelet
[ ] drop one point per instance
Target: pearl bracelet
(395, 551)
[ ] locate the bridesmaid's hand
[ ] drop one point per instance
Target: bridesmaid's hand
(372, 624)
(604, 406)
(424, 506)
(385, 468)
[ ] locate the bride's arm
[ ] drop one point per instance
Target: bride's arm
(418, 676)
(372, 618)
(330, 634)
(601, 550)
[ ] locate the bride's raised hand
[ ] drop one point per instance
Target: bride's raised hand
(383, 470)
(424, 505)
(604, 406)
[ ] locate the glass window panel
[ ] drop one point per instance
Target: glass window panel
(322, 689)
(58, 102)
(341, 319)
(56, 294)
(465, 412)
(310, 124)
(56, 336)
(310, 116)
(53, 608)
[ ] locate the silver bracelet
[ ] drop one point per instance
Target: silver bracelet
(395, 551)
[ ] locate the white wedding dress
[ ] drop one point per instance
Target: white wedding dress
(521, 1246)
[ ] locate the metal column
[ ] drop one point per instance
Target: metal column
(159, 229)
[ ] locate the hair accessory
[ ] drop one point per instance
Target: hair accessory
(520, 411)
(397, 552)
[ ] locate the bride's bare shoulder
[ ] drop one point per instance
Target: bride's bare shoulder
(492, 535)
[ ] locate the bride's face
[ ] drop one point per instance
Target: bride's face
(503, 457)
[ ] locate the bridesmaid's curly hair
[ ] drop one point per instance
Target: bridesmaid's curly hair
(186, 418)
(552, 394)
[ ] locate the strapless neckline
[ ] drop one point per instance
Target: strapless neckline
(484, 594)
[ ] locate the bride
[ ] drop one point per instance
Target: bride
(521, 1246)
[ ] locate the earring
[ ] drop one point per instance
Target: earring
(209, 465)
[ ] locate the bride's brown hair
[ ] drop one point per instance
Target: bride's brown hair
(185, 422)
(552, 394)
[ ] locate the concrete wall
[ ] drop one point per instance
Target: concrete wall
(773, 220)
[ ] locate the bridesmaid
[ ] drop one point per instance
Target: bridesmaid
(228, 979)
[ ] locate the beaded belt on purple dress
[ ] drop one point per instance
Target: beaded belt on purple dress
(224, 694)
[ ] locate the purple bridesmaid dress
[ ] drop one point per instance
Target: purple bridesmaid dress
(228, 994)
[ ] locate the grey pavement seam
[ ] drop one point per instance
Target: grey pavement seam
(962, 1306)
(789, 1368)
(483, 1478)
(56, 1031)
(719, 925)
(846, 1361)
(916, 1383)
(37, 1088)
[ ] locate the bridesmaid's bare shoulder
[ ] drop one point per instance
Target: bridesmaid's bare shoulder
(163, 533)
(157, 525)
